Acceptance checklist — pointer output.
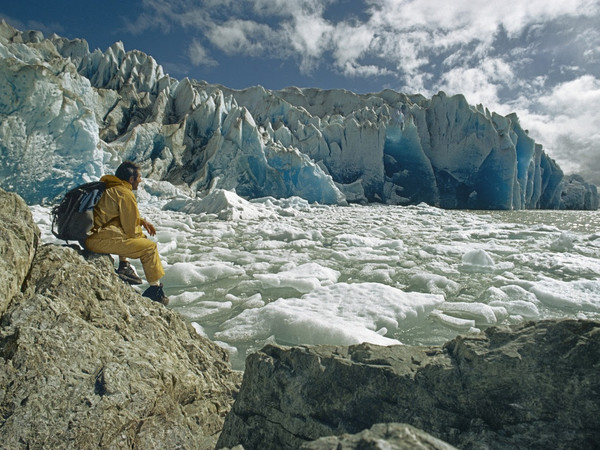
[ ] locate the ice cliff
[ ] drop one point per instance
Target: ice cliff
(69, 115)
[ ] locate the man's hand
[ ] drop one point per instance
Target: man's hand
(149, 227)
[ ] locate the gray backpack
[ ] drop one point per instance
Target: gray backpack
(73, 217)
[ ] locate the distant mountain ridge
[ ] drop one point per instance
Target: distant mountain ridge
(69, 115)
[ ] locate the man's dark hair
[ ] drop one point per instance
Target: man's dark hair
(126, 170)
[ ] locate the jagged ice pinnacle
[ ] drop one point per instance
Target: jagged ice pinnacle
(69, 115)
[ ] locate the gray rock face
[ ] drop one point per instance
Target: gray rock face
(533, 386)
(18, 240)
(382, 436)
(86, 362)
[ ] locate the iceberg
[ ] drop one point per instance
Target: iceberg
(69, 115)
(225, 205)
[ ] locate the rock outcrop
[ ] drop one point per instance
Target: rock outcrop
(381, 436)
(87, 362)
(19, 237)
(532, 386)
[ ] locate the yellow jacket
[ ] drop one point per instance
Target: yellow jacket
(117, 214)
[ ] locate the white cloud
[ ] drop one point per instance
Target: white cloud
(241, 37)
(352, 69)
(310, 38)
(466, 20)
(404, 53)
(403, 33)
(412, 33)
(290, 30)
(567, 122)
(405, 36)
(156, 14)
(575, 96)
(199, 55)
(479, 84)
(289, 8)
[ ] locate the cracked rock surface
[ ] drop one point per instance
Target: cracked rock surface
(531, 386)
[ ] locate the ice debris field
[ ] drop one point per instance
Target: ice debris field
(286, 271)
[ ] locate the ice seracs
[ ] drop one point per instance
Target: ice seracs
(69, 114)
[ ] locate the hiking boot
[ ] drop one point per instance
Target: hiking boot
(127, 273)
(156, 294)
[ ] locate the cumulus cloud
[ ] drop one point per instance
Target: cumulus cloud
(199, 56)
(460, 21)
(402, 37)
(309, 37)
(241, 37)
(567, 121)
(400, 34)
(481, 84)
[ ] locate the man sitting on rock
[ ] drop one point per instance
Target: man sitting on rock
(118, 230)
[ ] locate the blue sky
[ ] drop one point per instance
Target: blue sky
(538, 58)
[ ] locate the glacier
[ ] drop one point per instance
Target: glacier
(69, 115)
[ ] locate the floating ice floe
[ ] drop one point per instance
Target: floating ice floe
(456, 323)
(188, 274)
(481, 313)
(433, 283)
(564, 243)
(304, 278)
(515, 300)
(583, 295)
(226, 205)
(340, 314)
(477, 261)
(306, 273)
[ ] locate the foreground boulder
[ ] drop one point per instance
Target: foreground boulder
(19, 237)
(87, 362)
(532, 386)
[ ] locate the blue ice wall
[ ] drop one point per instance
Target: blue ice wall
(406, 165)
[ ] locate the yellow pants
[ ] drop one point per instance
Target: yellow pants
(139, 247)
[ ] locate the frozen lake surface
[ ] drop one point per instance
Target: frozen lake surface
(247, 273)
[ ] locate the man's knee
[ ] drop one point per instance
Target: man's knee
(148, 244)
(146, 248)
